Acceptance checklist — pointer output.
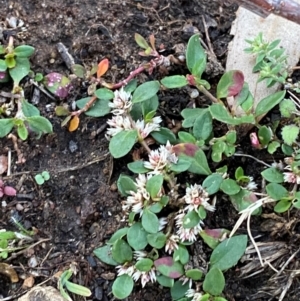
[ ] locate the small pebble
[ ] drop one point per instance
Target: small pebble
(91, 261)
(32, 262)
(98, 293)
(73, 147)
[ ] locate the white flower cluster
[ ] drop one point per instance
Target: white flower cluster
(290, 176)
(160, 158)
(121, 121)
(195, 196)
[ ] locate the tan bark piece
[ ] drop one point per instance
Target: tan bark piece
(247, 26)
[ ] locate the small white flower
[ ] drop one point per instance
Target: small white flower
(138, 255)
(172, 244)
(145, 129)
(291, 177)
(251, 185)
(162, 222)
(191, 293)
(124, 269)
(160, 158)
(121, 103)
(196, 196)
(145, 276)
(186, 234)
(118, 124)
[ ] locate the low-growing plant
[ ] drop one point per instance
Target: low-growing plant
(65, 284)
(41, 178)
(15, 65)
(162, 220)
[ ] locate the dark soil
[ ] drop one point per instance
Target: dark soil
(79, 208)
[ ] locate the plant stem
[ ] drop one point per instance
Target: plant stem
(145, 145)
(86, 107)
(208, 94)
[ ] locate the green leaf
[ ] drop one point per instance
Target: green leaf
(150, 221)
(46, 175)
(3, 66)
(194, 274)
(290, 134)
(78, 70)
(6, 125)
(203, 126)
(219, 112)
(165, 281)
(243, 200)
(212, 183)
(175, 81)
(198, 161)
(144, 264)
(230, 84)
(118, 235)
(22, 131)
(185, 137)
(145, 91)
(122, 286)
(125, 138)
(194, 54)
(214, 282)
(264, 135)
(29, 110)
(212, 237)
(149, 106)
(24, 51)
(125, 184)
(181, 165)
(191, 219)
(268, 103)
(164, 135)
(21, 69)
(137, 167)
(104, 94)
(121, 251)
(39, 179)
(131, 86)
(154, 185)
(228, 252)
(141, 41)
(137, 237)
(272, 147)
(282, 206)
(40, 124)
(190, 115)
(77, 289)
(168, 267)
(276, 191)
(99, 109)
(286, 107)
(105, 255)
(179, 290)
(181, 254)
(273, 175)
(157, 240)
(230, 187)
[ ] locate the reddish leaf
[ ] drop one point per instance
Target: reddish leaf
(102, 67)
(169, 268)
(74, 123)
(188, 149)
(230, 84)
(9, 191)
(238, 82)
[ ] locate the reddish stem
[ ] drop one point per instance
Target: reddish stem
(132, 75)
(86, 107)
